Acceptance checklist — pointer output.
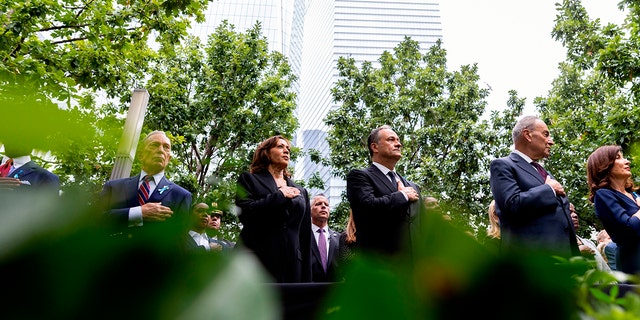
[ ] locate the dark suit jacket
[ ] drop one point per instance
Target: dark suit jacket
(615, 210)
(118, 196)
(531, 215)
(383, 217)
(275, 228)
(192, 246)
(317, 272)
(38, 177)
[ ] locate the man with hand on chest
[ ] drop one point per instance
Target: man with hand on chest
(149, 205)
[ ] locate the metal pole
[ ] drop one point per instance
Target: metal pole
(131, 134)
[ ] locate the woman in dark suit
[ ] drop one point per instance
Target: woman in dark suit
(275, 213)
(616, 204)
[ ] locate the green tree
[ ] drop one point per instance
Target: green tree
(437, 114)
(220, 100)
(75, 54)
(99, 44)
(595, 99)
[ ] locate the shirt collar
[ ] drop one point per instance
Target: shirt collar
(156, 177)
(20, 161)
(382, 168)
(316, 228)
(524, 156)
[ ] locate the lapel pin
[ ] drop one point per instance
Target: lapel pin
(163, 189)
(17, 175)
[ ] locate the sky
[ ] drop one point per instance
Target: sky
(511, 42)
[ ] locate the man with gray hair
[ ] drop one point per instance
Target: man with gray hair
(324, 250)
(148, 205)
(533, 206)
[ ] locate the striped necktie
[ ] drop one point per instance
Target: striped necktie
(5, 168)
(143, 191)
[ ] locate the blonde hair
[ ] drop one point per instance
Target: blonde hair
(494, 220)
(351, 229)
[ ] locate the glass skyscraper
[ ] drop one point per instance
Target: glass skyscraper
(313, 34)
(359, 29)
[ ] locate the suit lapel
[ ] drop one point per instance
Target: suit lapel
(382, 178)
(334, 242)
(162, 190)
(24, 170)
(524, 165)
(266, 179)
(314, 247)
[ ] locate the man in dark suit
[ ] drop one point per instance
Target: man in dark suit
(164, 214)
(384, 204)
(19, 172)
(533, 206)
(323, 264)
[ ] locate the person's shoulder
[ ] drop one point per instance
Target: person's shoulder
(605, 192)
(508, 158)
(359, 171)
(178, 187)
(120, 180)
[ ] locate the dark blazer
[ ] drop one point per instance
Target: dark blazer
(118, 196)
(192, 246)
(37, 176)
(317, 272)
(529, 211)
(385, 220)
(276, 229)
(615, 210)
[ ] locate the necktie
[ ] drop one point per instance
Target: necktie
(143, 191)
(541, 171)
(6, 168)
(322, 247)
(392, 176)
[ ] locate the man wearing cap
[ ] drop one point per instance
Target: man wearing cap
(213, 230)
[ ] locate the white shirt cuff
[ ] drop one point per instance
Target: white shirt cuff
(135, 217)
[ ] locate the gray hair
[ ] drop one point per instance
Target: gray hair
(526, 122)
(313, 199)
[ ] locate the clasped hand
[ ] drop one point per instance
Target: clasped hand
(155, 211)
(9, 183)
(557, 187)
(290, 192)
(411, 193)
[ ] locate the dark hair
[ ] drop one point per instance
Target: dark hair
(261, 159)
(599, 166)
(374, 137)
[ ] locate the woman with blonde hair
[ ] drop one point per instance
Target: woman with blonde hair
(492, 240)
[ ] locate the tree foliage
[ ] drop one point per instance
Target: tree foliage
(437, 114)
(76, 55)
(595, 99)
(220, 100)
(223, 98)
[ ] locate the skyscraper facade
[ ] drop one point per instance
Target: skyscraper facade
(282, 23)
(313, 34)
(360, 29)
